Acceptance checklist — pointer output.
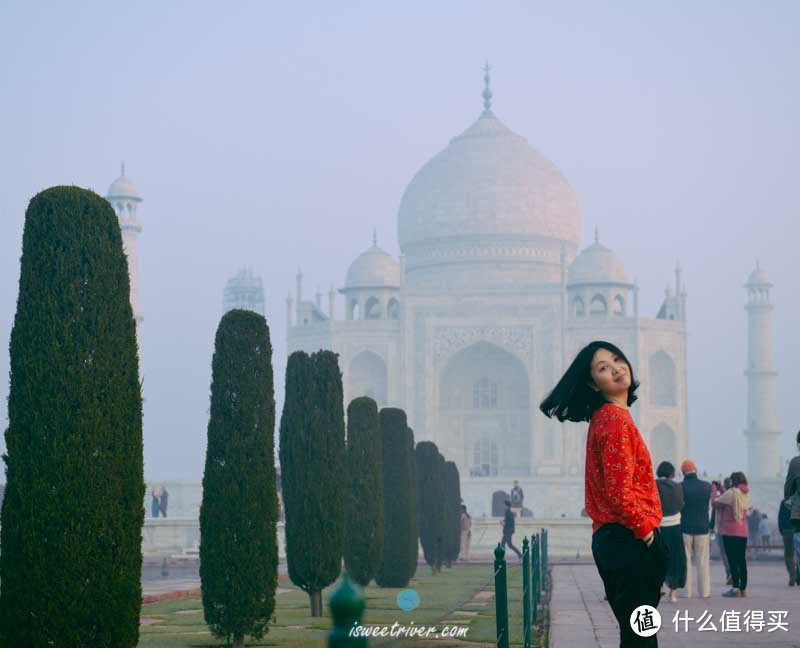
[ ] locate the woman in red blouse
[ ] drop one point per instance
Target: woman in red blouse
(620, 489)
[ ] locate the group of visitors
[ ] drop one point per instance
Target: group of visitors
(646, 531)
(159, 501)
(685, 527)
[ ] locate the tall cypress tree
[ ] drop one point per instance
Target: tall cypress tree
(364, 541)
(239, 512)
(399, 558)
(452, 512)
(313, 466)
(431, 512)
(72, 513)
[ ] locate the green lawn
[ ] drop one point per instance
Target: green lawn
(452, 597)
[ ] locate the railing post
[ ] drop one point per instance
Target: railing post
(347, 606)
(501, 596)
(526, 594)
(545, 559)
(535, 577)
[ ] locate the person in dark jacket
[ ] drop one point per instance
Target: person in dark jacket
(509, 528)
(671, 495)
(791, 493)
(695, 528)
(163, 501)
(787, 533)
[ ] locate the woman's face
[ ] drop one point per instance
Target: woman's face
(610, 374)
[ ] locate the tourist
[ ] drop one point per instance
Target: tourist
(787, 534)
(516, 496)
(163, 501)
(508, 528)
(732, 506)
(154, 502)
(791, 492)
(620, 491)
(671, 495)
(696, 529)
(466, 533)
(764, 532)
(753, 519)
(725, 485)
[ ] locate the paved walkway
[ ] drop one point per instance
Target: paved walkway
(580, 618)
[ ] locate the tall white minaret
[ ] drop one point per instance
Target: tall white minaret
(125, 199)
(763, 435)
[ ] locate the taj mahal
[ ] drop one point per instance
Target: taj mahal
(490, 300)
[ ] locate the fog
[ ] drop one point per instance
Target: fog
(279, 135)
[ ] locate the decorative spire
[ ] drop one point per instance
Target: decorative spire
(596, 236)
(122, 172)
(374, 237)
(487, 92)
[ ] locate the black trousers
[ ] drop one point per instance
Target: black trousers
(507, 541)
(735, 547)
(676, 565)
(632, 575)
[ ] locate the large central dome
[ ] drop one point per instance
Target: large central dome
(489, 189)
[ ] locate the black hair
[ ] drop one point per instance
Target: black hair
(665, 469)
(507, 502)
(738, 478)
(572, 399)
(726, 483)
(798, 436)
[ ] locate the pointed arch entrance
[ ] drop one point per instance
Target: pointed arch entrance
(484, 411)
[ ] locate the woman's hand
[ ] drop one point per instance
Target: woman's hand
(648, 539)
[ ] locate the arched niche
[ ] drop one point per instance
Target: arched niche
(484, 399)
(663, 380)
(368, 376)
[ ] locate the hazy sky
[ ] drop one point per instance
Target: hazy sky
(280, 134)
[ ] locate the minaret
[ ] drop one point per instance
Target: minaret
(763, 435)
(125, 199)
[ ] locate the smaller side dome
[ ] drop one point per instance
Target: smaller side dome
(596, 264)
(122, 187)
(373, 268)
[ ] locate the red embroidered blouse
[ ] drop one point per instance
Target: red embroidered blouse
(620, 486)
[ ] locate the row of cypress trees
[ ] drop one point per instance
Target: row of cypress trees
(72, 512)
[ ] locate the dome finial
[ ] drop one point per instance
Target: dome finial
(596, 236)
(122, 167)
(374, 237)
(487, 92)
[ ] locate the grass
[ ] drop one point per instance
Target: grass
(449, 598)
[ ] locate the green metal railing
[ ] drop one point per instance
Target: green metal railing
(534, 582)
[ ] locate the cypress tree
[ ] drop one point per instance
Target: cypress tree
(431, 512)
(364, 542)
(413, 535)
(239, 512)
(313, 464)
(452, 512)
(399, 558)
(73, 509)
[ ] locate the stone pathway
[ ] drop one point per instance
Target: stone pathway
(580, 618)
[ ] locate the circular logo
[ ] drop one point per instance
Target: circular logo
(645, 621)
(407, 599)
